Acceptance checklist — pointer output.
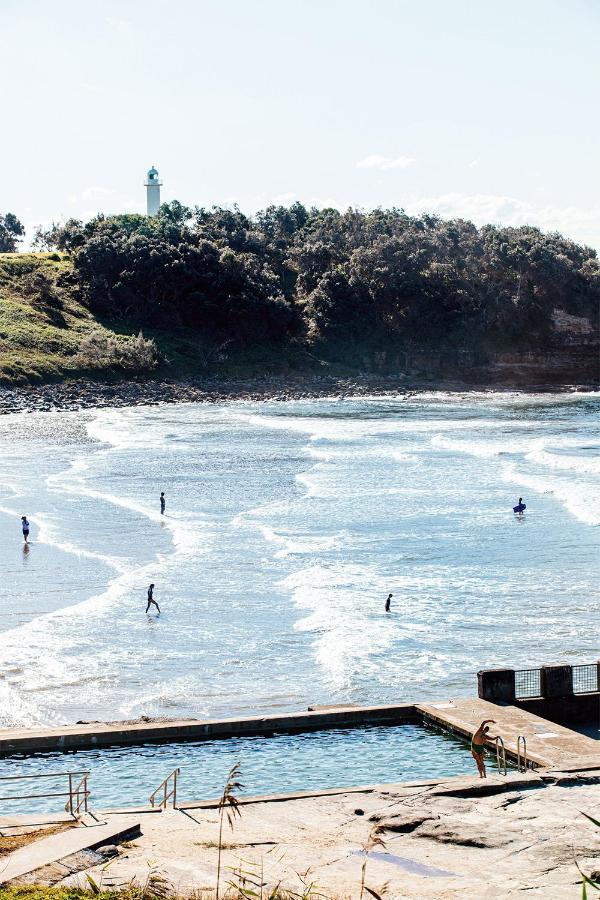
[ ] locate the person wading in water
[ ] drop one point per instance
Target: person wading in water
(388, 602)
(163, 503)
(25, 525)
(151, 600)
(478, 745)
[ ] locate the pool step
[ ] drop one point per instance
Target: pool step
(50, 859)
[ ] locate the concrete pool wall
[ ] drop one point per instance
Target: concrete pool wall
(548, 744)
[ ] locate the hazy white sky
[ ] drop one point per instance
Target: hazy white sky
(473, 108)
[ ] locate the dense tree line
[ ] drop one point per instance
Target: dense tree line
(328, 278)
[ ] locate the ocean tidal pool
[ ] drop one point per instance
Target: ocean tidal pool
(318, 760)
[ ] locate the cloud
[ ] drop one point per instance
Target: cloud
(123, 27)
(94, 192)
(285, 199)
(579, 223)
(384, 163)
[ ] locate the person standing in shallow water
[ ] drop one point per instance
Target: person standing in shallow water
(151, 600)
(478, 745)
(388, 602)
(163, 503)
(25, 525)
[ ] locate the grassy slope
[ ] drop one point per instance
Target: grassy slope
(38, 340)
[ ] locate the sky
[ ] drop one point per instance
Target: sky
(484, 110)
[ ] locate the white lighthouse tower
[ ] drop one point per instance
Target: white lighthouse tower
(152, 191)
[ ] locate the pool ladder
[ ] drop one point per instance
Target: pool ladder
(168, 787)
(501, 755)
(522, 762)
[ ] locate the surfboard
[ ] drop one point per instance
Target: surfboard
(520, 507)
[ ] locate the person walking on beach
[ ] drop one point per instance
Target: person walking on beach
(163, 503)
(151, 600)
(478, 745)
(388, 602)
(25, 525)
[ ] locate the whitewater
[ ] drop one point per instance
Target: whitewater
(287, 524)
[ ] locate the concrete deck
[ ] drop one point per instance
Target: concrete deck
(465, 839)
(85, 737)
(549, 745)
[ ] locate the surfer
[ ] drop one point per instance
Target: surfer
(388, 602)
(163, 503)
(520, 507)
(151, 600)
(25, 525)
(478, 745)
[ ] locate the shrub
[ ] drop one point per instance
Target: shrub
(99, 349)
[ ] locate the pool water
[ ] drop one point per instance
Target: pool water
(126, 776)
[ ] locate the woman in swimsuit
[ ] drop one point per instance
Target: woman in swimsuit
(478, 745)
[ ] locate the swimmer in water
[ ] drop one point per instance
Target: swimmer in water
(25, 526)
(388, 602)
(151, 600)
(478, 745)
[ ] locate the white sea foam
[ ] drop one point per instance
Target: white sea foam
(294, 586)
(354, 429)
(476, 447)
(546, 458)
(582, 500)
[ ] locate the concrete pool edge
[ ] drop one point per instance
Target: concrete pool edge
(549, 745)
(93, 735)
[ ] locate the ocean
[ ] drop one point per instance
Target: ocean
(286, 526)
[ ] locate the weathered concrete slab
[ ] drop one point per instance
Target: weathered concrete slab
(47, 851)
(503, 838)
(80, 737)
(548, 744)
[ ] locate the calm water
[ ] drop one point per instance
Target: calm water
(287, 525)
(125, 776)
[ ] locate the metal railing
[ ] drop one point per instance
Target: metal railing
(522, 766)
(77, 794)
(169, 791)
(501, 755)
(528, 683)
(585, 679)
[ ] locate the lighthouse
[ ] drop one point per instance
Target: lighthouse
(152, 191)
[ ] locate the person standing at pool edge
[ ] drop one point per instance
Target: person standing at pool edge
(25, 525)
(163, 503)
(388, 602)
(151, 600)
(478, 745)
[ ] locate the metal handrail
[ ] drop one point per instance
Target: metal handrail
(500, 746)
(522, 739)
(172, 776)
(80, 793)
(39, 775)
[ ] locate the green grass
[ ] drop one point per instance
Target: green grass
(49, 893)
(42, 323)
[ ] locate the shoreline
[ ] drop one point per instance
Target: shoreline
(83, 394)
